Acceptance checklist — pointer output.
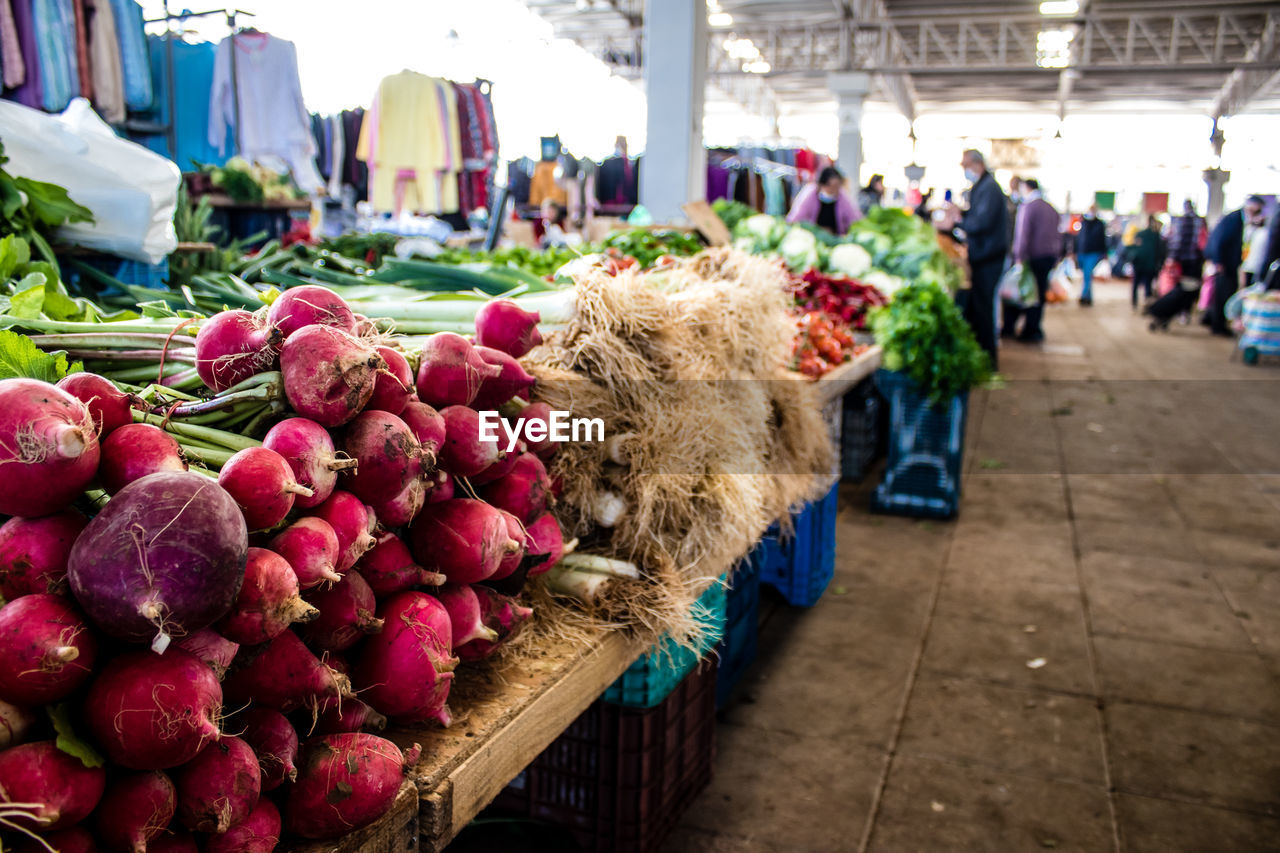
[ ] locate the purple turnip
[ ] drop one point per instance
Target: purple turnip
(463, 453)
(75, 839)
(512, 379)
(134, 810)
(164, 558)
(450, 371)
(310, 305)
(394, 387)
(463, 539)
(505, 326)
(309, 450)
(511, 562)
(347, 715)
(34, 552)
(389, 568)
(537, 413)
(135, 450)
(46, 650)
(262, 483)
(464, 615)
(44, 788)
(444, 489)
(211, 647)
(219, 787)
(499, 469)
(274, 741)
(345, 781)
(404, 506)
(329, 375)
(353, 522)
(346, 613)
(234, 345)
(48, 448)
(405, 671)
(284, 675)
(545, 537)
(258, 833)
(109, 407)
(180, 843)
(427, 425)
(503, 615)
(311, 548)
(388, 456)
(268, 602)
(523, 492)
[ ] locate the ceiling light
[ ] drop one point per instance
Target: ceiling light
(1053, 48)
(1051, 8)
(758, 66)
(720, 19)
(741, 49)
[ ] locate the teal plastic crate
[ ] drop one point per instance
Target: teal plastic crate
(653, 675)
(738, 649)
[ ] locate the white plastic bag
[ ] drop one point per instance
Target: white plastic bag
(132, 191)
(1009, 289)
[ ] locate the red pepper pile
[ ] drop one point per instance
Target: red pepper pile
(840, 297)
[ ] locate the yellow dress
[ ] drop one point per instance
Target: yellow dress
(403, 132)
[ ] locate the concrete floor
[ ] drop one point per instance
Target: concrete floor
(1087, 659)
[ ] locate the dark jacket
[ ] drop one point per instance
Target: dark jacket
(1148, 251)
(1226, 242)
(986, 222)
(1184, 238)
(1092, 239)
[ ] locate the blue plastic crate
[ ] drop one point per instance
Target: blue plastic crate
(742, 625)
(653, 675)
(926, 451)
(801, 566)
(860, 431)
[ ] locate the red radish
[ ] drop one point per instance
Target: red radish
(463, 453)
(219, 787)
(352, 522)
(394, 387)
(212, 648)
(501, 613)
(389, 568)
(450, 371)
(182, 843)
(310, 546)
(152, 712)
(16, 722)
(365, 328)
(404, 507)
(511, 562)
(545, 537)
(405, 671)
(134, 810)
(262, 483)
(463, 539)
(427, 425)
(108, 405)
(346, 613)
(48, 448)
(537, 413)
(234, 345)
(345, 781)
(524, 491)
(499, 469)
(258, 833)
(309, 450)
(164, 558)
(275, 743)
(464, 615)
(135, 450)
(505, 326)
(34, 552)
(348, 715)
(512, 379)
(46, 650)
(42, 787)
(284, 675)
(328, 374)
(76, 839)
(443, 490)
(387, 453)
(268, 602)
(310, 305)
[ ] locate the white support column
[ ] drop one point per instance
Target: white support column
(675, 73)
(850, 89)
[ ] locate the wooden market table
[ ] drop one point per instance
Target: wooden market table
(838, 382)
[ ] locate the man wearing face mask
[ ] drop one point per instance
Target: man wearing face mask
(984, 227)
(825, 203)
(1226, 249)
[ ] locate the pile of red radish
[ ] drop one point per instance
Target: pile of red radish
(179, 665)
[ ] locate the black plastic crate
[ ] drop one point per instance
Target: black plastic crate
(742, 625)
(620, 778)
(926, 451)
(860, 443)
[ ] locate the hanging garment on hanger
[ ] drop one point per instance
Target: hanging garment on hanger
(134, 61)
(337, 154)
(104, 60)
(31, 91)
(273, 120)
(192, 81)
(354, 172)
(402, 140)
(13, 67)
(448, 174)
(55, 29)
(85, 78)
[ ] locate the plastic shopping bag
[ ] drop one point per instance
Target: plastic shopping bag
(133, 192)
(1206, 293)
(1010, 285)
(1168, 278)
(1059, 284)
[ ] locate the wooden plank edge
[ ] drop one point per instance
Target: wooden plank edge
(840, 381)
(395, 832)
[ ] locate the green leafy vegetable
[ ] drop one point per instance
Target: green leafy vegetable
(20, 357)
(923, 335)
(31, 210)
(68, 741)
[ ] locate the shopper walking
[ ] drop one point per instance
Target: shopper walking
(1091, 248)
(872, 195)
(1186, 236)
(1036, 243)
(1253, 268)
(984, 227)
(1147, 255)
(1226, 249)
(826, 204)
